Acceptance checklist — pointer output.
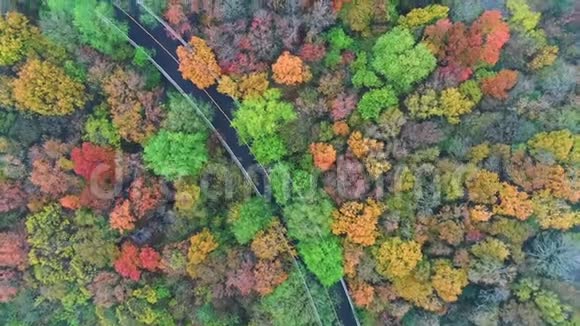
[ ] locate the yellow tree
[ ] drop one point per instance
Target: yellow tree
(448, 281)
(290, 70)
(247, 86)
(396, 258)
(16, 37)
(423, 16)
(46, 89)
(271, 243)
(198, 63)
(201, 245)
(483, 187)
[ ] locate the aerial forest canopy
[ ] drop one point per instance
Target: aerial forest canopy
(236, 162)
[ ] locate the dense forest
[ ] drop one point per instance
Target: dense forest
(426, 153)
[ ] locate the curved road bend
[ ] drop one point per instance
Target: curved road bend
(158, 40)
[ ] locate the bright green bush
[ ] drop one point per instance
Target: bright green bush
(88, 17)
(259, 120)
(323, 257)
(176, 154)
(269, 149)
(375, 101)
(400, 61)
(338, 39)
(254, 215)
(298, 301)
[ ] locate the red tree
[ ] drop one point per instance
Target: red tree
(121, 217)
(97, 166)
(243, 278)
(49, 169)
(268, 275)
(132, 260)
(8, 290)
(312, 52)
(145, 195)
(149, 259)
(127, 265)
(497, 86)
(11, 196)
(13, 251)
(93, 162)
(342, 106)
(177, 18)
(460, 48)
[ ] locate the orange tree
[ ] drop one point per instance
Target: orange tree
(358, 221)
(290, 70)
(324, 155)
(198, 63)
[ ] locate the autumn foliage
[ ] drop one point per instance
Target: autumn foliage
(461, 48)
(397, 258)
(324, 155)
(121, 217)
(268, 275)
(13, 251)
(513, 203)
(44, 88)
(15, 37)
(133, 259)
(12, 196)
(271, 243)
(498, 85)
(362, 293)
(448, 282)
(201, 245)
(198, 63)
(358, 221)
(290, 70)
(135, 111)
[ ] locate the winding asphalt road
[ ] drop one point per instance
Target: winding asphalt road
(165, 48)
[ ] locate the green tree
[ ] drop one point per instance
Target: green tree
(100, 130)
(176, 154)
(375, 101)
(258, 121)
(323, 257)
(291, 303)
(269, 149)
(309, 221)
(183, 116)
(400, 61)
(254, 215)
(338, 39)
(88, 18)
